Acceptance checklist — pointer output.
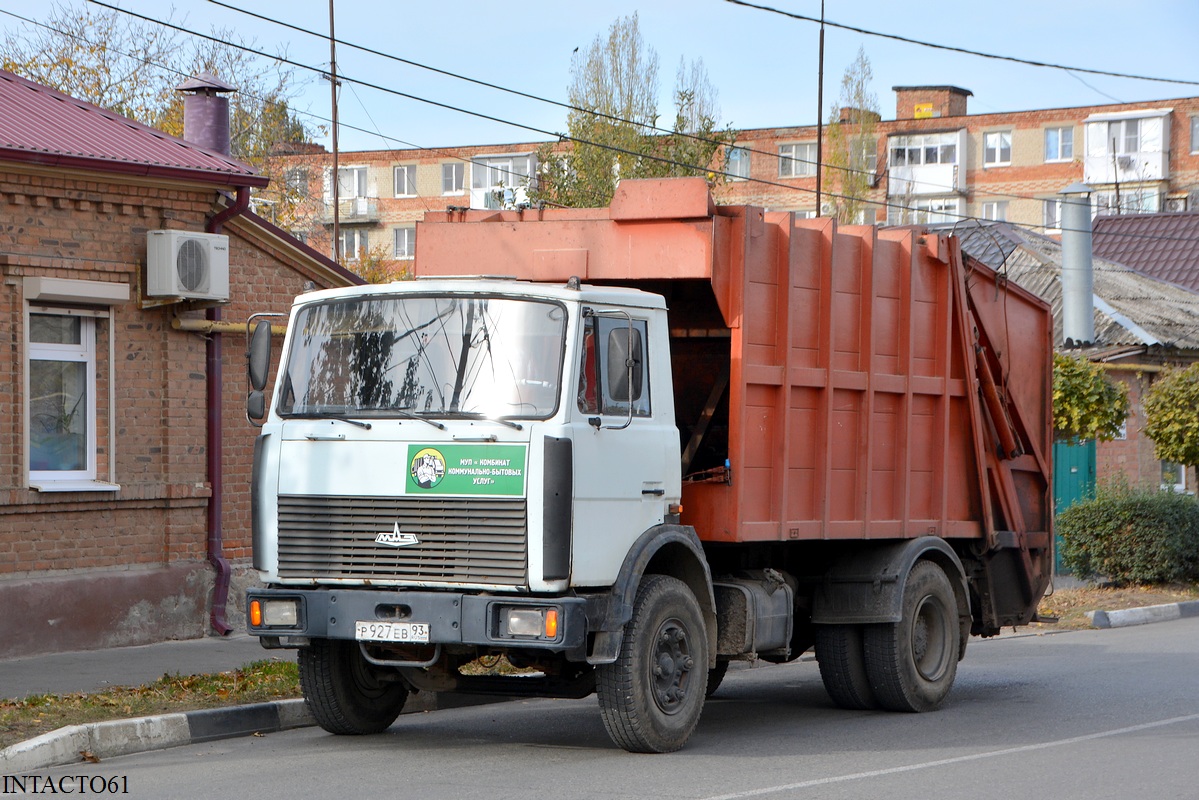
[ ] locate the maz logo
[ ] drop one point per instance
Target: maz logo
(394, 538)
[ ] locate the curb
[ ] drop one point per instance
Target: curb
(125, 736)
(1143, 615)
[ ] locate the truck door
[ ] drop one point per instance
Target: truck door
(624, 438)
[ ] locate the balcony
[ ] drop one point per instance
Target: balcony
(1102, 169)
(355, 210)
(925, 179)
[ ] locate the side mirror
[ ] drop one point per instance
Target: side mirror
(258, 356)
(256, 404)
(625, 355)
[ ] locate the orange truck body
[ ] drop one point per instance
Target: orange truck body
(831, 382)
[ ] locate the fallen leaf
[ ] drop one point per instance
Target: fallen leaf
(89, 756)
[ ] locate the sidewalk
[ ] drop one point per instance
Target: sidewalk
(96, 670)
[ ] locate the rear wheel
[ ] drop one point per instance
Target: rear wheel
(912, 663)
(346, 693)
(842, 659)
(652, 695)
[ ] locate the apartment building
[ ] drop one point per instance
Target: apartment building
(933, 162)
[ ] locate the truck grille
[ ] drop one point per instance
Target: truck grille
(465, 540)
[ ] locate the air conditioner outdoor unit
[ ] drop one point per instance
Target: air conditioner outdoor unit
(193, 266)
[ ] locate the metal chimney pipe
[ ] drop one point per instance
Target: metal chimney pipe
(1078, 281)
(206, 112)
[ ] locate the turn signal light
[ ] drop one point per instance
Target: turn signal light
(255, 613)
(551, 623)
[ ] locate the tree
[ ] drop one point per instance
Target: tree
(1086, 405)
(1172, 416)
(851, 145)
(131, 67)
(612, 128)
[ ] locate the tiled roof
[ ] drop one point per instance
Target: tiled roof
(39, 125)
(1165, 246)
(1131, 309)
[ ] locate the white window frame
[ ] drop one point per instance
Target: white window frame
(1063, 149)
(1051, 213)
(453, 176)
(1195, 134)
(404, 240)
(925, 211)
(737, 166)
(357, 180)
(404, 180)
(1179, 486)
(1133, 200)
(920, 149)
(797, 160)
(996, 210)
(1125, 132)
(360, 244)
(296, 179)
(994, 145)
(85, 353)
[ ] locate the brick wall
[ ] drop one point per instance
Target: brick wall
(102, 545)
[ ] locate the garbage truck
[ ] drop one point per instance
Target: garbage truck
(616, 449)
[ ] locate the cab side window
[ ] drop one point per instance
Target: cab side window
(607, 384)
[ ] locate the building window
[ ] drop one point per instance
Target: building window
(296, 180)
(924, 211)
(738, 164)
(997, 149)
(797, 160)
(499, 182)
(1125, 134)
(995, 210)
(453, 176)
(353, 244)
(351, 182)
(932, 148)
(405, 242)
(1174, 477)
(1059, 144)
(1051, 214)
(1195, 134)
(405, 181)
(62, 398)
(1130, 200)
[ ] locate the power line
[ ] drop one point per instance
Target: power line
(559, 136)
(953, 49)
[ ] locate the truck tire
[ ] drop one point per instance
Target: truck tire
(840, 652)
(716, 677)
(912, 663)
(651, 697)
(344, 692)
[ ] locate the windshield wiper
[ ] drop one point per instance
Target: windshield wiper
(406, 414)
(482, 416)
(340, 417)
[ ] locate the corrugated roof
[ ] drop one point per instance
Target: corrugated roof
(39, 125)
(1131, 309)
(1165, 246)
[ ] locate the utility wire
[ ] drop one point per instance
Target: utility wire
(614, 118)
(559, 136)
(953, 49)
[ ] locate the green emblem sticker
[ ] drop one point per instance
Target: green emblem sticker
(495, 470)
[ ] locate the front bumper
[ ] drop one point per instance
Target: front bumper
(452, 617)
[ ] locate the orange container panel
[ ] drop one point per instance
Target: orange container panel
(858, 384)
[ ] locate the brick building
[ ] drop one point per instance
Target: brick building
(933, 162)
(124, 503)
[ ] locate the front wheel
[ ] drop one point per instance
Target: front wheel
(912, 663)
(346, 693)
(652, 695)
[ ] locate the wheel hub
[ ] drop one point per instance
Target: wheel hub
(672, 666)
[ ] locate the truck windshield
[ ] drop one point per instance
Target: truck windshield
(400, 355)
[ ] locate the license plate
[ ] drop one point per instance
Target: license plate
(415, 632)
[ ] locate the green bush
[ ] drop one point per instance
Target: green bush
(1131, 536)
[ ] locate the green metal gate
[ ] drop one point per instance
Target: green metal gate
(1073, 480)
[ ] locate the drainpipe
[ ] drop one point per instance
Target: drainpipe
(213, 357)
(206, 123)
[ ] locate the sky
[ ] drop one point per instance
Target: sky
(763, 65)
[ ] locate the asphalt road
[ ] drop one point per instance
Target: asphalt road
(1083, 714)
